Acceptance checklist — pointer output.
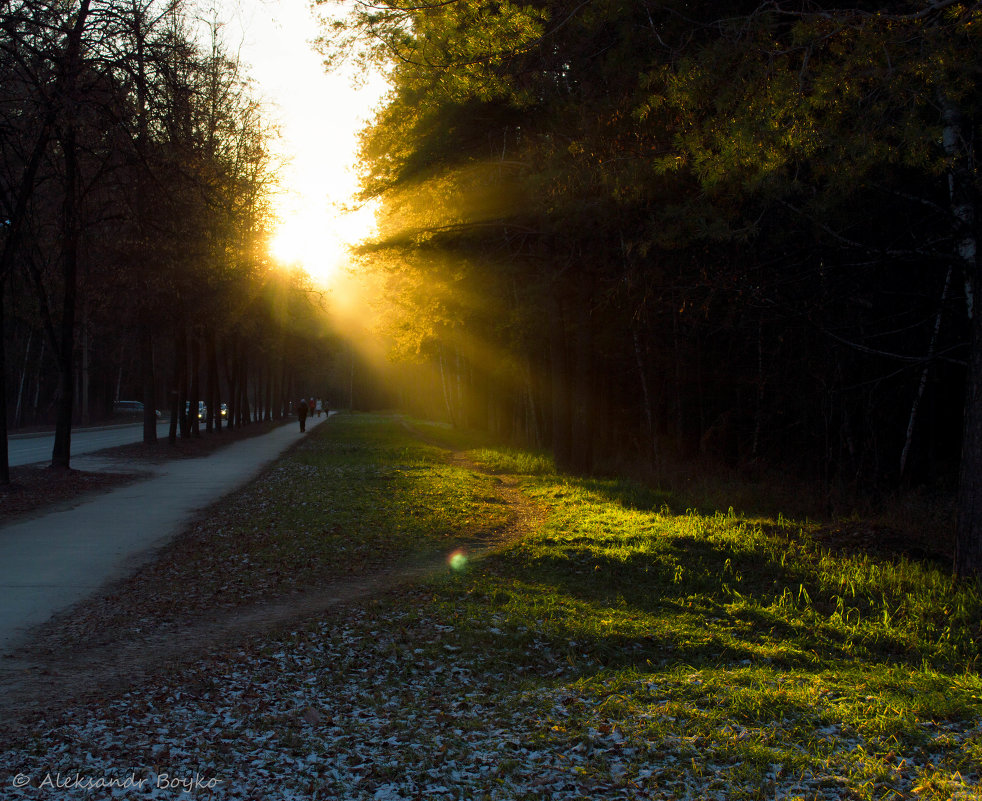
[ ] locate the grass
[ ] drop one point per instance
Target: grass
(734, 653)
(739, 644)
(623, 648)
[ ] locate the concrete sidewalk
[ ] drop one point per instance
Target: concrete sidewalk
(51, 562)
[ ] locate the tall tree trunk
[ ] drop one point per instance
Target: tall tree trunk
(678, 420)
(968, 536)
(229, 367)
(194, 386)
(462, 416)
(243, 372)
(85, 379)
(257, 394)
(761, 393)
(280, 390)
(179, 390)
(19, 408)
(583, 402)
(561, 433)
(351, 378)
(289, 396)
(447, 395)
(922, 384)
(956, 140)
(214, 387)
(61, 453)
(964, 203)
(35, 405)
(651, 435)
(532, 429)
(4, 448)
(148, 375)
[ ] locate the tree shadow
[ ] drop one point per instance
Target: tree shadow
(704, 602)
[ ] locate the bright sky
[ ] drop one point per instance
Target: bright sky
(318, 114)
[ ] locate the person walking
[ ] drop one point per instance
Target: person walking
(302, 409)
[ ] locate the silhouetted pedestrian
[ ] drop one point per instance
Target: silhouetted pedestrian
(302, 409)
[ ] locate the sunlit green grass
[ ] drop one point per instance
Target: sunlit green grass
(363, 492)
(666, 649)
(737, 644)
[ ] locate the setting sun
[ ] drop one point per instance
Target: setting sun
(318, 115)
(303, 242)
(317, 239)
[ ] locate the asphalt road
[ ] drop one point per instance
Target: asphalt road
(34, 448)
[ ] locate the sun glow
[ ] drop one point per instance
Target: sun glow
(318, 240)
(318, 115)
(298, 241)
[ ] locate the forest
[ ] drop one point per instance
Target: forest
(135, 189)
(646, 231)
(628, 232)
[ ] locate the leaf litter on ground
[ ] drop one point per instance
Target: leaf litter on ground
(534, 673)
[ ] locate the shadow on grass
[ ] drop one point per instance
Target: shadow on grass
(631, 612)
(702, 602)
(629, 495)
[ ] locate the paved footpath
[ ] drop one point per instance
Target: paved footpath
(51, 562)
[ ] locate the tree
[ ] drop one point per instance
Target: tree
(22, 51)
(135, 189)
(758, 205)
(844, 102)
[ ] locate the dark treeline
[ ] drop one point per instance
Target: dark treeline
(135, 186)
(654, 230)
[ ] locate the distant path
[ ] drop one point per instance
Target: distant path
(34, 448)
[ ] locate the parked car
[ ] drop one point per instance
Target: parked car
(127, 408)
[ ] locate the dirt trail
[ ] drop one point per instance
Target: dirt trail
(44, 678)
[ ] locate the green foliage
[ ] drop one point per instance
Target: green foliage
(658, 216)
(828, 90)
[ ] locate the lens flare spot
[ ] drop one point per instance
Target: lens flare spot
(457, 560)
